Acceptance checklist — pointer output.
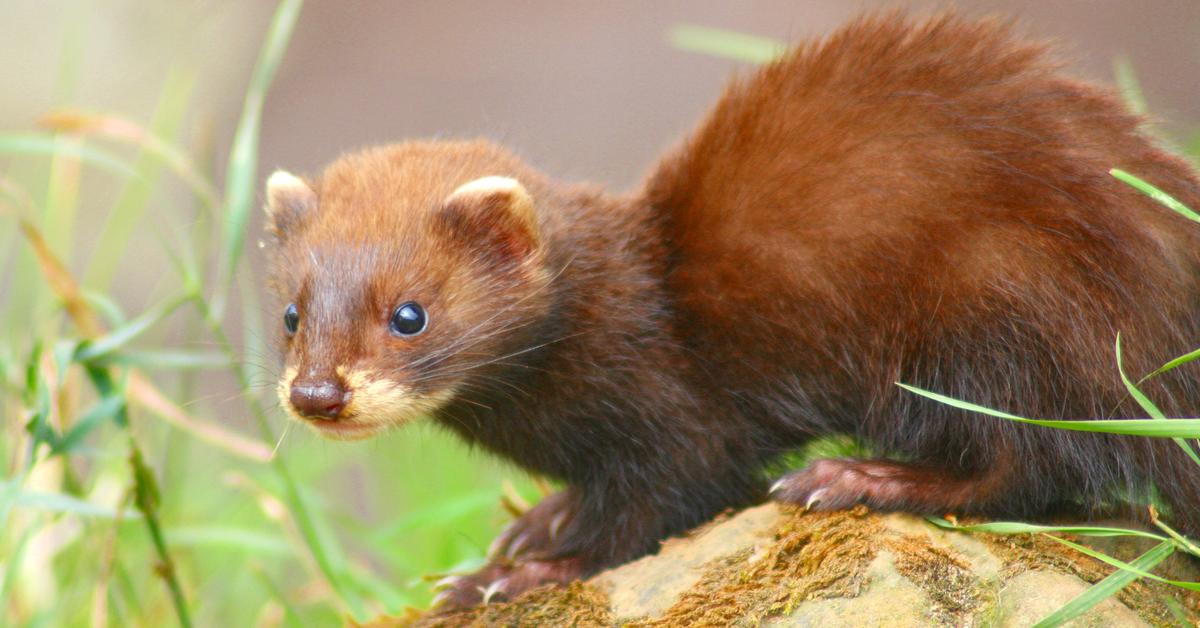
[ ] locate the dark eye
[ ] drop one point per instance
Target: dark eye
(291, 319)
(408, 320)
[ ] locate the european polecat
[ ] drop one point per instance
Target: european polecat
(906, 201)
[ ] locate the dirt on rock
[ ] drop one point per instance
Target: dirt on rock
(824, 555)
(776, 566)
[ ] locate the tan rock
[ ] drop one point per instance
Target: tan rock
(777, 567)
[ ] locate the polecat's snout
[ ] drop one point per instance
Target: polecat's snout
(351, 404)
(319, 398)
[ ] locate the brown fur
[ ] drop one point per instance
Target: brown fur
(926, 202)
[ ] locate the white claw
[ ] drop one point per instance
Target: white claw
(500, 541)
(516, 545)
(494, 548)
(814, 498)
(446, 582)
(556, 523)
(492, 589)
(439, 599)
(777, 485)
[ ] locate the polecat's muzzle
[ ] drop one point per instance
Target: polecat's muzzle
(319, 399)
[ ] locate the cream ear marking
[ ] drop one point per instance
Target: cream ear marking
(287, 194)
(520, 203)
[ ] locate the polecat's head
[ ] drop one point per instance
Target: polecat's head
(401, 275)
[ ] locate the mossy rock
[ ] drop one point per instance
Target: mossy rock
(773, 566)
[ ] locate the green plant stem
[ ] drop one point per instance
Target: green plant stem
(299, 508)
(242, 168)
(146, 499)
(1106, 588)
(1185, 543)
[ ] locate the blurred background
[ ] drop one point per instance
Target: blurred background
(130, 186)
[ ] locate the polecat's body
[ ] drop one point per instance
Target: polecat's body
(927, 203)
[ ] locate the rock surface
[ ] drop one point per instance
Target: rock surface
(770, 566)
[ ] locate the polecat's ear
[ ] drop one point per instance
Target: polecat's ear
(289, 200)
(496, 215)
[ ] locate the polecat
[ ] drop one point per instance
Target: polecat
(906, 201)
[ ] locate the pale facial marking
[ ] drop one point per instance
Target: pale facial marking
(376, 404)
(283, 390)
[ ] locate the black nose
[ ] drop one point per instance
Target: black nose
(320, 399)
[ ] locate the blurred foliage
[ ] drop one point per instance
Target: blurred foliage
(147, 479)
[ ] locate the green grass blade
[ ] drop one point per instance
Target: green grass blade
(147, 498)
(121, 336)
(1171, 428)
(1158, 195)
(255, 341)
(59, 503)
(1134, 391)
(1105, 558)
(152, 145)
(1190, 356)
(1012, 527)
(726, 44)
(241, 175)
(1177, 611)
(74, 19)
(10, 490)
(49, 145)
(167, 360)
(62, 184)
(1184, 543)
(130, 207)
(107, 409)
(1107, 587)
(14, 557)
(1127, 82)
(112, 313)
(441, 514)
(290, 615)
(62, 200)
(1148, 405)
(1193, 147)
(962, 405)
(246, 540)
(325, 550)
(381, 590)
(103, 382)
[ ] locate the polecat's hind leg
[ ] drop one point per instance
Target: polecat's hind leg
(834, 484)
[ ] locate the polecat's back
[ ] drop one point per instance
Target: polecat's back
(906, 202)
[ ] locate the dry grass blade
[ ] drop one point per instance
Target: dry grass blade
(125, 130)
(146, 395)
(61, 281)
(140, 390)
(511, 500)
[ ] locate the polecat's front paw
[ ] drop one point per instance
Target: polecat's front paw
(503, 581)
(535, 533)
